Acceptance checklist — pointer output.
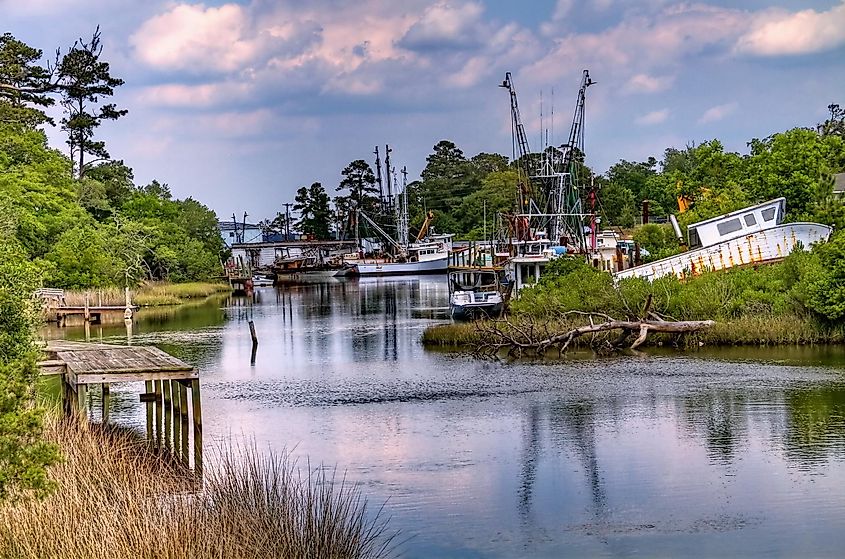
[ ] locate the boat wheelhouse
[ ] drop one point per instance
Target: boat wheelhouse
(736, 224)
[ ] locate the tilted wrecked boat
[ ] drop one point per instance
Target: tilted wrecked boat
(750, 236)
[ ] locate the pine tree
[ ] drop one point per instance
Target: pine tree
(85, 80)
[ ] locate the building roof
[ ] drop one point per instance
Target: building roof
(839, 183)
(230, 225)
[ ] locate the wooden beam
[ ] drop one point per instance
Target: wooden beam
(196, 404)
(106, 402)
(165, 389)
(177, 417)
(97, 378)
(183, 410)
(82, 399)
(52, 367)
(157, 384)
(149, 388)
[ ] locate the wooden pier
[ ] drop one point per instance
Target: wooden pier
(55, 308)
(84, 366)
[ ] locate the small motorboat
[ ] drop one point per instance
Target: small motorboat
(475, 293)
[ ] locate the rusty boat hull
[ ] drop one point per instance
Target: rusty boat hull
(760, 247)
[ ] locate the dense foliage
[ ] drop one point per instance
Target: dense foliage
(805, 284)
(23, 455)
(94, 227)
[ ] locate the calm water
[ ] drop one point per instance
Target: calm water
(718, 453)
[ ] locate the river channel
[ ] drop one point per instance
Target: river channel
(710, 453)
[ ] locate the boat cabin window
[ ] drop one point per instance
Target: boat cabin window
(730, 226)
(750, 220)
(768, 214)
(694, 239)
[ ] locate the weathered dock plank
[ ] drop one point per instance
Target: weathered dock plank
(82, 364)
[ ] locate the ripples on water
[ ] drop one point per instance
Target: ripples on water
(734, 452)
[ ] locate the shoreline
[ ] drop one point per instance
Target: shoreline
(762, 331)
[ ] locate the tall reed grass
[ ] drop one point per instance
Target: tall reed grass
(147, 295)
(115, 498)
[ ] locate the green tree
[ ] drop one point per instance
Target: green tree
(617, 205)
(24, 456)
(447, 179)
(497, 194)
(835, 124)
(794, 164)
(24, 84)
(360, 183)
(632, 176)
(315, 215)
(486, 163)
(85, 81)
(117, 180)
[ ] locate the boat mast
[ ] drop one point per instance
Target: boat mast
(388, 171)
(378, 179)
(520, 147)
(403, 222)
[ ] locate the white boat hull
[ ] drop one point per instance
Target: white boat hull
(768, 245)
(433, 266)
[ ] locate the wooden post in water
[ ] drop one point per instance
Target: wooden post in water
(254, 342)
(106, 401)
(196, 404)
(82, 399)
(177, 417)
(157, 384)
(165, 389)
(183, 411)
(149, 387)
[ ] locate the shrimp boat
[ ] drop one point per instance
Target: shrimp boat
(475, 293)
(750, 236)
(429, 254)
(416, 258)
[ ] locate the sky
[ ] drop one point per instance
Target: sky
(238, 104)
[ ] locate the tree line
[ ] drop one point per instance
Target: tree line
(79, 217)
(798, 163)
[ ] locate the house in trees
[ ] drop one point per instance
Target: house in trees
(239, 233)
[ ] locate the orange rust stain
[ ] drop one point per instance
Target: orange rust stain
(759, 254)
(721, 260)
(780, 252)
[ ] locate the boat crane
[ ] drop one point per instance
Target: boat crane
(555, 202)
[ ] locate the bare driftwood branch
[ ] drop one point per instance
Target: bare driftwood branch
(524, 337)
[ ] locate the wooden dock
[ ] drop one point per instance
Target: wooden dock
(84, 365)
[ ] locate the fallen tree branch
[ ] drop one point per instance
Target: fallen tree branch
(519, 338)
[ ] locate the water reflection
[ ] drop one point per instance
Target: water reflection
(704, 454)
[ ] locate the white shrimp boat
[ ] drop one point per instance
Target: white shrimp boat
(422, 258)
(753, 235)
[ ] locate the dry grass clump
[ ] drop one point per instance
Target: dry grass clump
(117, 498)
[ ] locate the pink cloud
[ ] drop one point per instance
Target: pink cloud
(778, 32)
(714, 114)
(654, 117)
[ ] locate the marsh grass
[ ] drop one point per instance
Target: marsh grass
(116, 498)
(148, 294)
(759, 330)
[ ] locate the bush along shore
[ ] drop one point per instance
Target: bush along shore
(800, 300)
(113, 496)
